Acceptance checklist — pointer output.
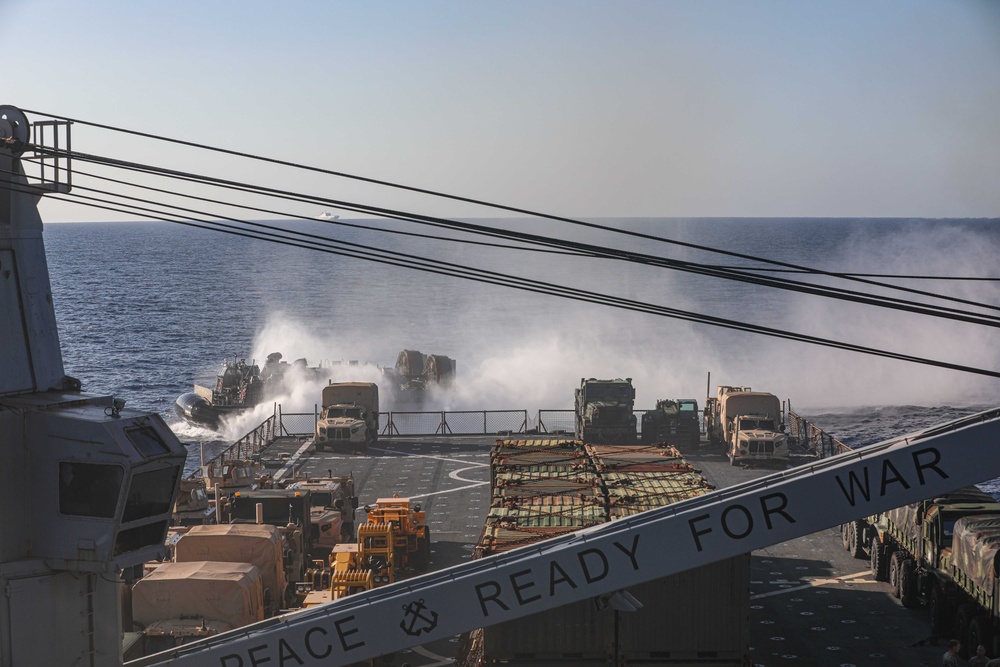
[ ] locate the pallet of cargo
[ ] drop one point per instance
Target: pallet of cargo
(547, 488)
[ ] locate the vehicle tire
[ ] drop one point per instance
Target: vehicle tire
(857, 547)
(845, 535)
(894, 561)
(879, 561)
(942, 620)
(979, 632)
(908, 593)
(963, 619)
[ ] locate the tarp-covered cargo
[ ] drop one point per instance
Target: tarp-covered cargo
(257, 544)
(227, 593)
(975, 546)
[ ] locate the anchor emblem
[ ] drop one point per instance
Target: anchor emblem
(414, 611)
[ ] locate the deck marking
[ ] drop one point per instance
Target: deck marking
(292, 460)
(817, 582)
(454, 474)
(441, 660)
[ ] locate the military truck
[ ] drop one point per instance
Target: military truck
(289, 511)
(940, 552)
(604, 411)
(748, 423)
(674, 422)
(179, 603)
(349, 420)
(332, 507)
(192, 507)
(259, 545)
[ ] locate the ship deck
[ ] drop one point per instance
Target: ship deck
(812, 604)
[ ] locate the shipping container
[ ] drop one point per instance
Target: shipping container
(546, 488)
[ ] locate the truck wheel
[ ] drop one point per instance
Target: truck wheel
(894, 573)
(845, 535)
(908, 584)
(857, 547)
(979, 632)
(879, 561)
(963, 621)
(941, 617)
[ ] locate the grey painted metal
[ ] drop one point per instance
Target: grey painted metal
(616, 555)
(29, 343)
(86, 487)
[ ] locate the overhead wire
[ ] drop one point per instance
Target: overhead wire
(900, 276)
(478, 202)
(745, 275)
(275, 234)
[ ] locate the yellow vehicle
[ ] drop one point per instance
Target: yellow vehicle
(361, 566)
(411, 535)
(394, 537)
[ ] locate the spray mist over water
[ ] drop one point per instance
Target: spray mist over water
(829, 378)
(524, 351)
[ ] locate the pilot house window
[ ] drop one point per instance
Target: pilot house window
(89, 489)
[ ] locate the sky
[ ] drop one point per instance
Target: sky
(569, 107)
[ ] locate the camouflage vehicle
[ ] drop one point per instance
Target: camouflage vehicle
(674, 422)
(604, 411)
(942, 552)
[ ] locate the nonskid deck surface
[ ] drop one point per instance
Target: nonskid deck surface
(812, 604)
(449, 477)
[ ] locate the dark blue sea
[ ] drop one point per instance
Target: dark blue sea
(145, 308)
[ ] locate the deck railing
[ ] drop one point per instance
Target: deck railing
(812, 438)
(481, 422)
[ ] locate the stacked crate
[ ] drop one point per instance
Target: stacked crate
(543, 488)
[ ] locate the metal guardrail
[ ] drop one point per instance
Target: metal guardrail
(812, 438)
(454, 422)
(481, 422)
(449, 422)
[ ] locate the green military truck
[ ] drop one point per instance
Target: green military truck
(940, 552)
(604, 412)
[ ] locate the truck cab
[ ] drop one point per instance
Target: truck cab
(756, 437)
(749, 424)
(604, 411)
(349, 420)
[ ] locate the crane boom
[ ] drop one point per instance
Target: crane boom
(613, 556)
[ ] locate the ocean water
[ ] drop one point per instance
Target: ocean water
(146, 308)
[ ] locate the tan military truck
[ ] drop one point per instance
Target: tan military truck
(179, 603)
(749, 423)
(260, 545)
(332, 508)
(349, 420)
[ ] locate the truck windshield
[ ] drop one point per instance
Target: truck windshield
(609, 392)
(757, 424)
(353, 413)
(948, 528)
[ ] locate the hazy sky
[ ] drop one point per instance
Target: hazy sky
(583, 108)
